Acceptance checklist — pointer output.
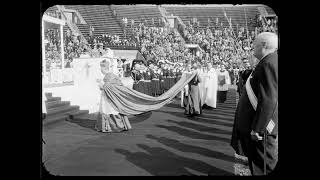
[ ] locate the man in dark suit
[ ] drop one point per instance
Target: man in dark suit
(256, 117)
(243, 75)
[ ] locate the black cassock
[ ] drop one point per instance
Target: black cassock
(264, 83)
(147, 83)
(243, 76)
(137, 76)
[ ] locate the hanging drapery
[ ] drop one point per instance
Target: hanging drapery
(130, 102)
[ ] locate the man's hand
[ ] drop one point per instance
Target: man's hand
(255, 136)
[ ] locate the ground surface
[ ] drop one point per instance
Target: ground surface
(163, 142)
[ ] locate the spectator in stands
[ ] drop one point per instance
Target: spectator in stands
(114, 13)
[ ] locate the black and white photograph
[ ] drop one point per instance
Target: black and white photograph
(159, 90)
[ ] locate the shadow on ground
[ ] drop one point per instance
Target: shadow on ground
(140, 117)
(157, 159)
(193, 134)
(201, 128)
(90, 123)
(204, 117)
(191, 149)
(86, 123)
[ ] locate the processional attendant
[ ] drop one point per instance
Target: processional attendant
(155, 82)
(147, 82)
(185, 91)
(171, 76)
(211, 86)
(178, 75)
(110, 120)
(136, 75)
(166, 78)
(255, 129)
(193, 106)
(162, 80)
(223, 83)
(203, 74)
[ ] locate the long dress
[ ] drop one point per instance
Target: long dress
(194, 99)
(212, 87)
(110, 120)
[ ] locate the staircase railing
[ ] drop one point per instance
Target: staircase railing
(119, 23)
(73, 27)
(164, 13)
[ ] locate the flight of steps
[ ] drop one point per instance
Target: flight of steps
(58, 110)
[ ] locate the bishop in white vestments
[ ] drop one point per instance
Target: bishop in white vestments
(212, 87)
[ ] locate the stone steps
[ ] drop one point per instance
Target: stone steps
(58, 110)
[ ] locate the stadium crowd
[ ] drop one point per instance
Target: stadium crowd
(164, 46)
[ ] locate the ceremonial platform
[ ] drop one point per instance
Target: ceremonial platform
(74, 92)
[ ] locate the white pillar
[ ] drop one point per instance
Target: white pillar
(44, 71)
(43, 50)
(62, 46)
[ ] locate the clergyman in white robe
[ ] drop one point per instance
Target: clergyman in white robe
(212, 88)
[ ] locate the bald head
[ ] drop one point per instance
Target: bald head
(264, 44)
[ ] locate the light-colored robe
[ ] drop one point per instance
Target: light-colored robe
(223, 75)
(211, 88)
(109, 119)
(202, 86)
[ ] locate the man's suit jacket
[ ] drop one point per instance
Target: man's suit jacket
(243, 76)
(264, 83)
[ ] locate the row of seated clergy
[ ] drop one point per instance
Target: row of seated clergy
(154, 82)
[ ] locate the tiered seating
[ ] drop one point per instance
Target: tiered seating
(137, 12)
(269, 10)
(202, 13)
(98, 16)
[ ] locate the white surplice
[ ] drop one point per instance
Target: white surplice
(203, 86)
(211, 88)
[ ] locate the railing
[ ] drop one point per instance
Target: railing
(164, 13)
(119, 22)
